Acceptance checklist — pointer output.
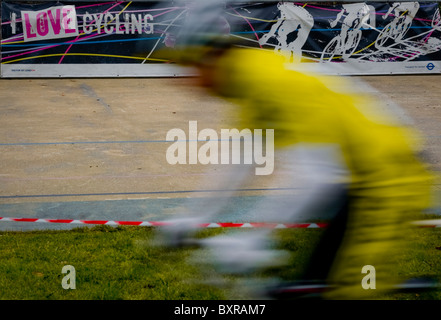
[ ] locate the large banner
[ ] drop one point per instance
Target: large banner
(93, 39)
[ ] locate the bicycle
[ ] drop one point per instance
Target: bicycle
(339, 46)
(436, 20)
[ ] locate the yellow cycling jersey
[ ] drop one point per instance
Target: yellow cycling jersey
(387, 182)
(304, 108)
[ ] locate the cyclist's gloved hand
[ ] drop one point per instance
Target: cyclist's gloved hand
(179, 232)
(244, 253)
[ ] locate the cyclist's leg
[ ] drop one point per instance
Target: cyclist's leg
(323, 256)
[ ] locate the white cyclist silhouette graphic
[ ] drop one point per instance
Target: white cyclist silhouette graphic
(292, 18)
(403, 15)
(353, 17)
(436, 20)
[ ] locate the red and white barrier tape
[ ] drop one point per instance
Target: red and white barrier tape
(436, 223)
(162, 223)
(422, 223)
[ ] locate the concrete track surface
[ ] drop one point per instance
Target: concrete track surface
(94, 149)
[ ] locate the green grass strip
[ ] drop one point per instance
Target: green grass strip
(125, 263)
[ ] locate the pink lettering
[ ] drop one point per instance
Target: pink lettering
(55, 22)
(29, 27)
(42, 24)
(67, 21)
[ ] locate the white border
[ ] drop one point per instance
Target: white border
(169, 70)
(371, 68)
(93, 70)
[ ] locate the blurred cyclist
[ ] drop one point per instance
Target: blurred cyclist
(329, 119)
